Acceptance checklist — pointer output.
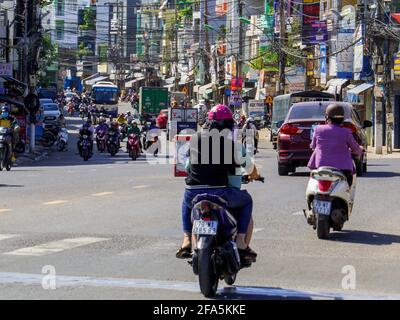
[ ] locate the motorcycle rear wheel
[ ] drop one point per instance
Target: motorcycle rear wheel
(323, 227)
(208, 280)
(133, 155)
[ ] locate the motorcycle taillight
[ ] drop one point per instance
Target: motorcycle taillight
(324, 185)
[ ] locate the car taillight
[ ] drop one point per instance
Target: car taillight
(324, 185)
(350, 126)
(290, 129)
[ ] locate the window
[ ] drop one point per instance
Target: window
(60, 30)
(59, 7)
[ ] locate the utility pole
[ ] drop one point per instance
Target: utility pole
(377, 64)
(240, 55)
(282, 55)
(207, 46)
(26, 74)
(176, 47)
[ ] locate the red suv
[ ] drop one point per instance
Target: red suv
(295, 134)
(162, 119)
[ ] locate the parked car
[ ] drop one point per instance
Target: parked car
(51, 113)
(295, 134)
(45, 101)
(162, 119)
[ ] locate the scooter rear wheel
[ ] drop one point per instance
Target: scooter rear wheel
(323, 227)
(208, 280)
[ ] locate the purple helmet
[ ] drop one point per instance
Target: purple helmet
(220, 112)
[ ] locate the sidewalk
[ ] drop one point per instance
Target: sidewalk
(384, 155)
(39, 154)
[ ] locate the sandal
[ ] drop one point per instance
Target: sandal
(248, 253)
(184, 253)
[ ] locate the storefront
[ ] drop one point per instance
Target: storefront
(361, 97)
(11, 93)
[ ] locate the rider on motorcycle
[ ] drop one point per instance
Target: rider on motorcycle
(86, 130)
(134, 129)
(114, 131)
(332, 144)
(102, 125)
(10, 122)
(249, 125)
(61, 122)
(217, 179)
(129, 118)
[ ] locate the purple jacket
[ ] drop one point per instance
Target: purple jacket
(333, 146)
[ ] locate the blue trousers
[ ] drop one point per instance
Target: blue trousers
(237, 199)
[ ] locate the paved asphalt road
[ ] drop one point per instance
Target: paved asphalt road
(110, 229)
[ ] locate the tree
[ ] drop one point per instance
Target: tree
(48, 55)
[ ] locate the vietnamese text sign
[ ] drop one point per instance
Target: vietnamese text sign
(313, 30)
(345, 58)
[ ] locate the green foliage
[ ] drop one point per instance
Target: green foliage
(89, 19)
(83, 50)
(221, 33)
(47, 57)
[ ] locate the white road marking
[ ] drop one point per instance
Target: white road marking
(5, 210)
(8, 236)
(101, 194)
(55, 246)
(140, 187)
(258, 230)
(50, 203)
(78, 281)
(299, 213)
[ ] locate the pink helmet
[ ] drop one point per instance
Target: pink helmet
(220, 112)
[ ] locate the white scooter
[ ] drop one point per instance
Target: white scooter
(62, 139)
(330, 200)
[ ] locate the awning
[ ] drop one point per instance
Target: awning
(206, 89)
(249, 92)
(93, 81)
(334, 86)
(169, 86)
(170, 80)
(132, 82)
(396, 17)
(352, 95)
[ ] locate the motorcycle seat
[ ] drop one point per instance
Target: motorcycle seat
(330, 171)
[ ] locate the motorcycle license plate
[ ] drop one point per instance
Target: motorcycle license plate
(322, 207)
(205, 227)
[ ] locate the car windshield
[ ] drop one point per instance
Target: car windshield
(50, 107)
(311, 112)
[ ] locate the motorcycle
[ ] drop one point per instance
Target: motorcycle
(49, 136)
(85, 148)
(330, 200)
(133, 146)
(5, 148)
(62, 139)
(101, 140)
(215, 254)
(124, 131)
(82, 111)
(112, 145)
(71, 110)
(148, 140)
